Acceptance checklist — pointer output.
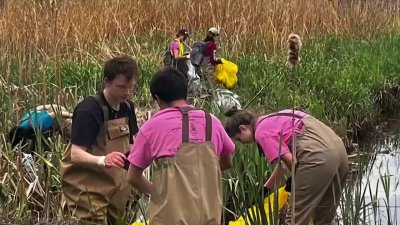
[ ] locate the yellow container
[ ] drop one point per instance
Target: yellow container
(226, 74)
(268, 203)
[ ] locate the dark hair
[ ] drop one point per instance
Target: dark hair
(210, 37)
(169, 85)
(18, 135)
(183, 32)
(237, 117)
(121, 65)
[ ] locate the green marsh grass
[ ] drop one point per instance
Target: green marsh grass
(337, 83)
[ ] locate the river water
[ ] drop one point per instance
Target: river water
(376, 199)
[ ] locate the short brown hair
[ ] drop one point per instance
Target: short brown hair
(121, 65)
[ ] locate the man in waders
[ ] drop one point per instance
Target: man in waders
(93, 178)
(190, 148)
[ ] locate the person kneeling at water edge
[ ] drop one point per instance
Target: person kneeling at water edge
(189, 148)
(321, 167)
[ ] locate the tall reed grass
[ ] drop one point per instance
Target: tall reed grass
(59, 28)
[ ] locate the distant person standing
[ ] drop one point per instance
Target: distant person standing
(175, 55)
(210, 60)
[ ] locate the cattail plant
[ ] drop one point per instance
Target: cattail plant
(294, 45)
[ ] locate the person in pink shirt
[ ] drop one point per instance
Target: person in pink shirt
(320, 162)
(175, 56)
(188, 148)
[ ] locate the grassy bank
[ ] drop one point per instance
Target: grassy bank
(340, 80)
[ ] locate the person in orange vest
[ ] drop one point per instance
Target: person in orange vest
(189, 148)
(321, 167)
(93, 178)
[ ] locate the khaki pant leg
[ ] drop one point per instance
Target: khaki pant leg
(118, 202)
(321, 156)
(84, 210)
(311, 183)
(326, 211)
(208, 75)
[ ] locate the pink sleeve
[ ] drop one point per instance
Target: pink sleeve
(140, 155)
(175, 46)
(228, 147)
(270, 145)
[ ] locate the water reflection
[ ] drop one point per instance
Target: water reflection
(376, 199)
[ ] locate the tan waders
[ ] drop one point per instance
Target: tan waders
(188, 186)
(320, 174)
(95, 194)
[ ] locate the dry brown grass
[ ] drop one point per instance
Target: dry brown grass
(247, 25)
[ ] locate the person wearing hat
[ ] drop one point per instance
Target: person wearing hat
(210, 60)
(175, 56)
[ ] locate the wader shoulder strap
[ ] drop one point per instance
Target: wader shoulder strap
(282, 114)
(208, 126)
(104, 108)
(132, 121)
(185, 124)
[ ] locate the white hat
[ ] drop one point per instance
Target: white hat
(214, 30)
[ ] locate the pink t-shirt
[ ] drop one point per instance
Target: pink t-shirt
(268, 133)
(175, 46)
(161, 136)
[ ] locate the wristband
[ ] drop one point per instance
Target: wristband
(102, 161)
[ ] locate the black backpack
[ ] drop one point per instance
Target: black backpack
(168, 58)
(197, 53)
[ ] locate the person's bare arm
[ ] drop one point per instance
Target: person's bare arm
(67, 115)
(275, 177)
(226, 162)
(288, 160)
(176, 55)
(139, 181)
(279, 171)
(80, 155)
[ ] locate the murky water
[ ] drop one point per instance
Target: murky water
(379, 187)
(384, 181)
